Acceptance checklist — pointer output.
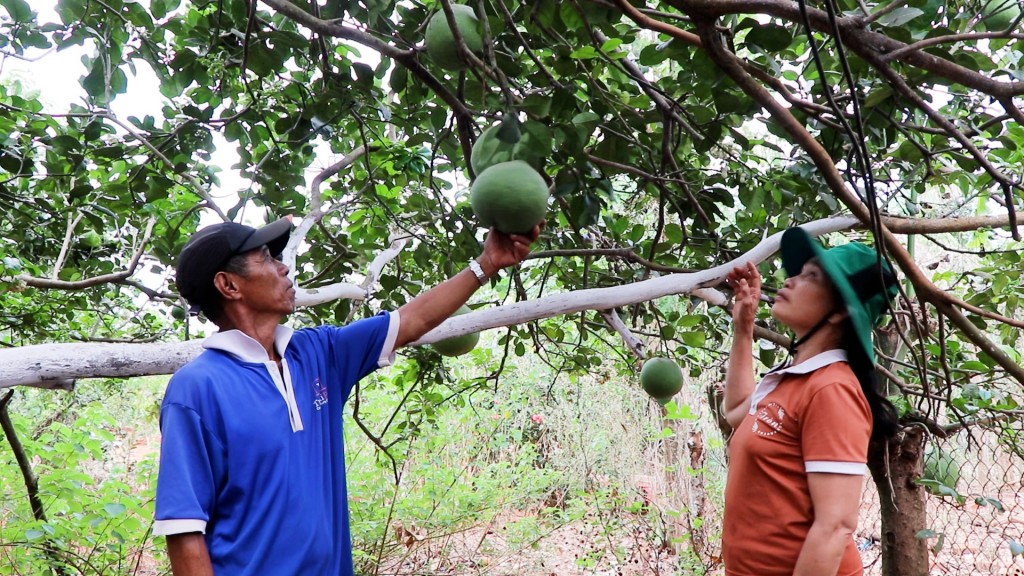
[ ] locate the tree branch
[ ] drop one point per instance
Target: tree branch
(116, 277)
(611, 317)
(730, 64)
(406, 58)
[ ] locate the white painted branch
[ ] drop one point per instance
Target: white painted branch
(66, 384)
(339, 291)
(711, 296)
(615, 296)
(631, 341)
(68, 233)
(346, 291)
(48, 362)
(398, 242)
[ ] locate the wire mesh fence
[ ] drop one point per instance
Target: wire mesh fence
(973, 527)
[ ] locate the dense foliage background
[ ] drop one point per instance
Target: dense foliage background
(677, 136)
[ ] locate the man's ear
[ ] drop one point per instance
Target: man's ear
(227, 286)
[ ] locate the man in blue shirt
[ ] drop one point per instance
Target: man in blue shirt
(252, 463)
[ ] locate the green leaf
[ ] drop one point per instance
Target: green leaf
(19, 10)
(877, 96)
(665, 432)
(508, 131)
(585, 53)
(569, 16)
(899, 16)
(611, 44)
(399, 79)
(538, 104)
(586, 119)
(694, 338)
(95, 82)
(985, 501)
(770, 37)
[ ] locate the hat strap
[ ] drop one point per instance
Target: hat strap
(796, 342)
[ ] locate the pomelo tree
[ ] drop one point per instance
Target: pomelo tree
(676, 139)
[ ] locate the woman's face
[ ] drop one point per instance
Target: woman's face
(804, 299)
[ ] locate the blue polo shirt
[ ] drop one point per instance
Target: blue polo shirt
(253, 456)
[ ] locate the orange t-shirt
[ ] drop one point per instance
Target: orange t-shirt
(812, 417)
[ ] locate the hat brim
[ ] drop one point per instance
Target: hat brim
(274, 236)
(796, 248)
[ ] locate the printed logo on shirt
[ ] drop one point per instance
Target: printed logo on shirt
(768, 420)
(320, 392)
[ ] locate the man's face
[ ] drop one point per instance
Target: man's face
(265, 287)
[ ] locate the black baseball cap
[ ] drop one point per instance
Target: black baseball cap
(209, 249)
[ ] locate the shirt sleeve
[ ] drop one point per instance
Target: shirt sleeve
(191, 460)
(363, 346)
(836, 429)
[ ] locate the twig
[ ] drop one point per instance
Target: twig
(68, 233)
(29, 477)
(115, 277)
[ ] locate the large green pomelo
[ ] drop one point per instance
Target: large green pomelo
(441, 46)
(511, 196)
(661, 378)
(489, 150)
(997, 15)
(457, 345)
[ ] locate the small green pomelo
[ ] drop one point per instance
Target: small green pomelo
(457, 345)
(489, 150)
(179, 313)
(997, 15)
(941, 466)
(441, 45)
(661, 378)
(511, 196)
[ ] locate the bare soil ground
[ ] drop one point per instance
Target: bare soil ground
(502, 549)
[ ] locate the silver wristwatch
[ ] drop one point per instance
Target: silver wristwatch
(474, 266)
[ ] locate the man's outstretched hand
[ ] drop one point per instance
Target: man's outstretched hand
(502, 250)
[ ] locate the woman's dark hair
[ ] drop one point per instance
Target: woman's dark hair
(213, 307)
(883, 413)
(885, 417)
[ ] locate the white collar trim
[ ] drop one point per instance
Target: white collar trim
(242, 346)
(771, 379)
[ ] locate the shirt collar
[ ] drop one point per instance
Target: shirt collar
(819, 360)
(771, 380)
(243, 347)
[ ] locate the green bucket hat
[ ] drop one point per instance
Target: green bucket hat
(853, 270)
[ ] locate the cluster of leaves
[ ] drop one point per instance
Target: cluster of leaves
(96, 497)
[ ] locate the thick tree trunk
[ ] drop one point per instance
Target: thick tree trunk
(902, 503)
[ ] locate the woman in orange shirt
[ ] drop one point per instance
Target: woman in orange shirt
(798, 453)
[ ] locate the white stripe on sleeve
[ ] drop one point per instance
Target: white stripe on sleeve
(831, 467)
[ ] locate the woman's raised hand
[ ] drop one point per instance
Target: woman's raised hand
(746, 284)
